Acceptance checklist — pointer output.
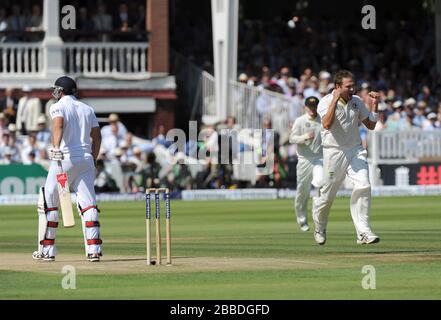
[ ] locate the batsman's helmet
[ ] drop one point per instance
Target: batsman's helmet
(66, 85)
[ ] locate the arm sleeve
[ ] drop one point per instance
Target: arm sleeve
(296, 135)
(364, 112)
(323, 107)
(56, 111)
(94, 120)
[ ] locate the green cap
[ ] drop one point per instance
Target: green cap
(311, 102)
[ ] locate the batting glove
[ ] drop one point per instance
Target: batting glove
(55, 154)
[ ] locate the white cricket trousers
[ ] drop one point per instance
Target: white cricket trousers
(338, 163)
(309, 171)
(81, 176)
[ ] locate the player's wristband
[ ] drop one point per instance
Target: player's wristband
(373, 116)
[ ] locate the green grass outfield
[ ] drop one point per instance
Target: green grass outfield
(232, 250)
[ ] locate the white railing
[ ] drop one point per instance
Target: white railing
(105, 59)
(209, 108)
(20, 59)
(250, 105)
(388, 147)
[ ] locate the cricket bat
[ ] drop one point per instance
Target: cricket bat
(65, 199)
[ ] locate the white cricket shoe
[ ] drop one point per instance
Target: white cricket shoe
(304, 227)
(368, 238)
(44, 257)
(95, 257)
(320, 237)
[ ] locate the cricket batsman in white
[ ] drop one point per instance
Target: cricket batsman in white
(306, 134)
(76, 139)
(343, 155)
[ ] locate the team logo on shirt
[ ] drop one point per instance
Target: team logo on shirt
(55, 112)
(307, 124)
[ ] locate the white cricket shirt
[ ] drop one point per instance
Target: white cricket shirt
(309, 148)
(344, 132)
(79, 119)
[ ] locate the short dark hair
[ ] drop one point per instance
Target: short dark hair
(338, 78)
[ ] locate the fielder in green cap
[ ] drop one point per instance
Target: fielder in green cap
(306, 134)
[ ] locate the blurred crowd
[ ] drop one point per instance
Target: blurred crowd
(128, 163)
(397, 111)
(23, 129)
(131, 164)
(96, 21)
(296, 61)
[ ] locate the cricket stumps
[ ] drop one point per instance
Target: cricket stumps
(157, 192)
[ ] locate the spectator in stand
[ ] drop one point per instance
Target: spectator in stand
(135, 177)
(35, 21)
(312, 87)
(3, 123)
(137, 159)
(103, 22)
(16, 23)
(123, 20)
(160, 137)
(112, 141)
(3, 23)
(104, 181)
(125, 155)
(4, 142)
(29, 108)
(7, 157)
(150, 174)
(381, 123)
(117, 156)
(43, 134)
(208, 178)
(426, 96)
(420, 115)
(438, 117)
(409, 104)
(9, 104)
(179, 178)
(30, 149)
(429, 124)
(325, 83)
(15, 143)
(42, 158)
(31, 158)
(85, 25)
(394, 119)
(406, 123)
(283, 81)
(140, 22)
(243, 78)
(114, 121)
(296, 109)
(364, 92)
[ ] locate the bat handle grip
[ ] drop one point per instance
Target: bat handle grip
(60, 165)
